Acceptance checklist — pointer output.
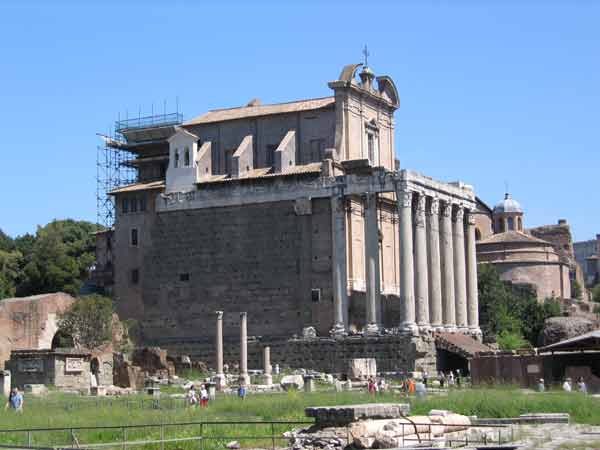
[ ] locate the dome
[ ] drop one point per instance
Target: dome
(508, 205)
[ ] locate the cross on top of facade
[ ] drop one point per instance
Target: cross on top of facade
(366, 54)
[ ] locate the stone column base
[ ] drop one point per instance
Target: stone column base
(371, 329)
(244, 379)
(409, 328)
(476, 333)
(338, 331)
(267, 379)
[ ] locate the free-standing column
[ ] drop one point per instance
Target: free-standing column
(372, 275)
(435, 270)
(407, 275)
(447, 267)
(220, 378)
(340, 283)
(268, 378)
(460, 276)
(421, 278)
(244, 378)
(472, 294)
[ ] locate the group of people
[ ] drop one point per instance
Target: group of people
(374, 386)
(451, 378)
(15, 400)
(567, 385)
(197, 399)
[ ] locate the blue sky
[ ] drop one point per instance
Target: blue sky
(491, 92)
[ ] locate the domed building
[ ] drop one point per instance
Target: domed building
(522, 258)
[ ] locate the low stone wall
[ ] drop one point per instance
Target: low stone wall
(393, 352)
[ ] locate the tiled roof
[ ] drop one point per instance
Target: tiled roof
(267, 172)
(159, 184)
(510, 237)
(589, 340)
(460, 344)
(243, 112)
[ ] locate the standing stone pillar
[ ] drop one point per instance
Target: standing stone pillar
(421, 278)
(372, 274)
(472, 293)
(340, 282)
(220, 377)
(5, 381)
(407, 275)
(460, 276)
(449, 313)
(435, 269)
(244, 377)
(267, 377)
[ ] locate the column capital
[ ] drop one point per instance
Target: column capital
(219, 314)
(446, 209)
(243, 315)
(419, 217)
(405, 199)
(470, 218)
(460, 214)
(434, 207)
(370, 199)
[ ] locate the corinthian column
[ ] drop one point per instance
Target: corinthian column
(338, 260)
(244, 377)
(472, 294)
(435, 270)
(407, 275)
(460, 276)
(372, 275)
(447, 268)
(421, 283)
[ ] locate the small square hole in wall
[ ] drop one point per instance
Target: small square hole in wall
(184, 276)
(315, 295)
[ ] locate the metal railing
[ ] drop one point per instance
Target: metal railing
(162, 120)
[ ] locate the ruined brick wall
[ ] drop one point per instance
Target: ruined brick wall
(260, 258)
(549, 279)
(30, 322)
(393, 353)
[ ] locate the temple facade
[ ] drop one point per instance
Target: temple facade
(297, 213)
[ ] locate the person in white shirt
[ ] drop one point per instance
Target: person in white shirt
(203, 397)
(191, 396)
(567, 385)
(581, 385)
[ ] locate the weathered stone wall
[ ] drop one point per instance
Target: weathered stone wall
(30, 322)
(393, 352)
(549, 279)
(260, 258)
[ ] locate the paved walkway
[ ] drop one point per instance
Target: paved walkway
(563, 437)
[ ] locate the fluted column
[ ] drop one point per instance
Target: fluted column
(372, 275)
(267, 377)
(460, 276)
(407, 275)
(338, 260)
(447, 268)
(435, 269)
(472, 293)
(244, 377)
(421, 278)
(220, 378)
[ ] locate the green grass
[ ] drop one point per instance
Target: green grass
(61, 410)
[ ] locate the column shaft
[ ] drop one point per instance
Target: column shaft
(219, 342)
(472, 293)
(421, 275)
(340, 283)
(267, 377)
(372, 274)
(460, 276)
(244, 378)
(449, 313)
(407, 275)
(435, 269)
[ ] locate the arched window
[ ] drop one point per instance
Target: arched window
(511, 223)
(186, 157)
(520, 224)
(500, 226)
(176, 161)
(477, 234)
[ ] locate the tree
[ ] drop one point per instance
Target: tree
(9, 272)
(6, 242)
(508, 340)
(577, 290)
(511, 312)
(596, 293)
(88, 321)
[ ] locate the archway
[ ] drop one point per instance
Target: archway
(95, 371)
(62, 340)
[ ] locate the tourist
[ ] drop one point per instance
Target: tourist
(411, 386)
(381, 385)
(371, 387)
(581, 385)
(457, 377)
(276, 370)
(442, 377)
(450, 378)
(541, 387)
(192, 397)
(567, 385)
(203, 396)
(420, 389)
(15, 400)
(242, 391)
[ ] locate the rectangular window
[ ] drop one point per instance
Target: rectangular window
(184, 276)
(315, 295)
(125, 205)
(316, 150)
(143, 202)
(271, 155)
(371, 147)
(133, 204)
(135, 276)
(134, 237)
(228, 160)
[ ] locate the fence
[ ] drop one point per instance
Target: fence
(208, 435)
